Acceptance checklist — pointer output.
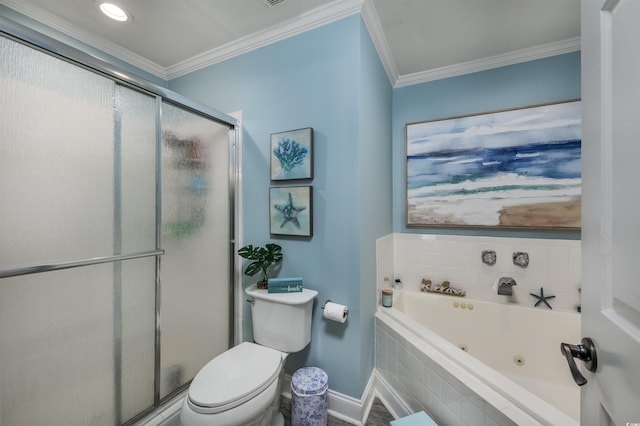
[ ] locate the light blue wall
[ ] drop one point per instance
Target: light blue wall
(375, 184)
(330, 79)
(542, 81)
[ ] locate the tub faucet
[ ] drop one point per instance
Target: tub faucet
(504, 286)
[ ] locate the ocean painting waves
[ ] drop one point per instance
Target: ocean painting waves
(513, 168)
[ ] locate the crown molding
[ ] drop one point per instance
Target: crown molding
(511, 58)
(374, 27)
(87, 38)
(316, 18)
(313, 19)
(331, 12)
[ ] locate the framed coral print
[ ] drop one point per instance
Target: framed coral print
(517, 168)
(292, 154)
(291, 211)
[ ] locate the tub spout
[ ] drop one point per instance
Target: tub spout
(505, 285)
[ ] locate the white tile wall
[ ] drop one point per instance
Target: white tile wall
(384, 263)
(553, 265)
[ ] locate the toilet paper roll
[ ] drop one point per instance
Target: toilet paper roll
(335, 312)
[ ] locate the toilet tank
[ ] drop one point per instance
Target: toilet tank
(281, 321)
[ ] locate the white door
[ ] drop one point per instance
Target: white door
(611, 209)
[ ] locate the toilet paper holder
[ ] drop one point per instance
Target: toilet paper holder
(329, 300)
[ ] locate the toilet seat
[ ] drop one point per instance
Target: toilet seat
(234, 377)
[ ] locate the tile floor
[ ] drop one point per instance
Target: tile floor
(378, 416)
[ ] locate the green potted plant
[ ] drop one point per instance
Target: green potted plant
(262, 259)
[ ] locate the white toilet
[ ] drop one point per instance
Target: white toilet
(242, 385)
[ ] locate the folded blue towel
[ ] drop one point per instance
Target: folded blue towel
(417, 419)
(284, 285)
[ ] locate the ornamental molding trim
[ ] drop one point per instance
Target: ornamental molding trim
(321, 16)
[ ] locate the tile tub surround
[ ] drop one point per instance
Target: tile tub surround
(425, 379)
(553, 264)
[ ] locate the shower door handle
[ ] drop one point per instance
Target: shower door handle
(586, 352)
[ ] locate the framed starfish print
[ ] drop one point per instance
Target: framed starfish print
(291, 211)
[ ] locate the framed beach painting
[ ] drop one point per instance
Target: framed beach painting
(517, 168)
(291, 211)
(292, 154)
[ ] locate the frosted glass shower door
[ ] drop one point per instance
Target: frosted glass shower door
(77, 182)
(196, 235)
(116, 228)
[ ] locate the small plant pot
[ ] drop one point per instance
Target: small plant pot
(263, 285)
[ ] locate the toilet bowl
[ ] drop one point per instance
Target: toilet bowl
(242, 386)
(238, 387)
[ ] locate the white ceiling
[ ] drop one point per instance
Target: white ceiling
(417, 40)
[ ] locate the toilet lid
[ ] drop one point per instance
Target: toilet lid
(235, 376)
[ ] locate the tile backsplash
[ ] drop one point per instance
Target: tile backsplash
(554, 265)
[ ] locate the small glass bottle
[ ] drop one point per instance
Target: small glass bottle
(387, 297)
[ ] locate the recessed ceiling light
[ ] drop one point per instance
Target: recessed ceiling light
(114, 12)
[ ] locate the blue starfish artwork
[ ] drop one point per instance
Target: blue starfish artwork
(290, 212)
(542, 298)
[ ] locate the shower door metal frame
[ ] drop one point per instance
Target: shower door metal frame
(31, 38)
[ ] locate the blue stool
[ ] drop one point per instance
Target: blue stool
(417, 419)
(309, 402)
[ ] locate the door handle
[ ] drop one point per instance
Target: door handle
(586, 352)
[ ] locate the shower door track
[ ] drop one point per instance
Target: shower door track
(77, 263)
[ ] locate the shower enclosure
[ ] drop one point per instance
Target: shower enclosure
(116, 237)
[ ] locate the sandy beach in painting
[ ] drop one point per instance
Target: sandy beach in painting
(557, 214)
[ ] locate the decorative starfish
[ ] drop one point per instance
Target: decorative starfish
(542, 298)
(290, 212)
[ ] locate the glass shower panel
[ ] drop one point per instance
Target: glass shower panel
(78, 160)
(136, 164)
(56, 159)
(57, 348)
(135, 231)
(136, 324)
(196, 234)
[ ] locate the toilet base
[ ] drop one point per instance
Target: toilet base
(278, 420)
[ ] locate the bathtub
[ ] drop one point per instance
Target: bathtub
(478, 359)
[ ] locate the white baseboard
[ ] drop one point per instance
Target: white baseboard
(341, 406)
(351, 410)
(356, 411)
(389, 397)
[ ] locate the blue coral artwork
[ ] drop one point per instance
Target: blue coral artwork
(292, 154)
(291, 211)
